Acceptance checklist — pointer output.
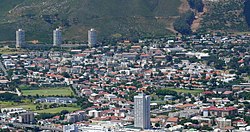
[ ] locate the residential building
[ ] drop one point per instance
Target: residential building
(223, 123)
(76, 116)
(20, 38)
(220, 112)
(27, 117)
(142, 111)
(92, 37)
(70, 128)
(62, 100)
(57, 37)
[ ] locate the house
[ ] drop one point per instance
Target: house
(240, 123)
(172, 121)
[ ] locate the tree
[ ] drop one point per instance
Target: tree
(45, 106)
(38, 107)
(64, 112)
(247, 11)
(183, 24)
(196, 4)
(157, 124)
(66, 75)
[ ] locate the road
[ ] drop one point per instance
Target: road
(32, 126)
(76, 90)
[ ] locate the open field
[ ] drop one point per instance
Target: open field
(178, 90)
(62, 91)
(10, 51)
(57, 110)
(5, 104)
(32, 107)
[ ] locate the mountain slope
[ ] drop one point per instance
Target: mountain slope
(224, 15)
(112, 18)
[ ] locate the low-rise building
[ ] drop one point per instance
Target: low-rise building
(223, 123)
(76, 116)
(220, 112)
(26, 118)
(56, 100)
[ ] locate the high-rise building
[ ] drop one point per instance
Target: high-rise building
(142, 111)
(57, 37)
(92, 37)
(20, 38)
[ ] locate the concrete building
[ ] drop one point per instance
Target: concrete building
(94, 113)
(61, 100)
(223, 123)
(20, 38)
(92, 37)
(220, 112)
(142, 111)
(70, 128)
(27, 117)
(57, 37)
(76, 116)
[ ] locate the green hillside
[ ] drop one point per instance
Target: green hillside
(225, 15)
(127, 18)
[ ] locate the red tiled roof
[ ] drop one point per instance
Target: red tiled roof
(172, 119)
(208, 92)
(213, 108)
(228, 92)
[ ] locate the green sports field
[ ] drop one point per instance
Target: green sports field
(62, 91)
(57, 110)
(178, 90)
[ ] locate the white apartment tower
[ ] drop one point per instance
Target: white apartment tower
(142, 111)
(92, 37)
(20, 38)
(57, 37)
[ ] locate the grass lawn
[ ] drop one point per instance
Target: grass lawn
(178, 90)
(57, 110)
(5, 104)
(62, 91)
(10, 51)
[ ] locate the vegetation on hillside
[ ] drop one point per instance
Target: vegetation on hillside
(226, 16)
(129, 19)
(196, 4)
(183, 24)
(247, 11)
(114, 19)
(9, 96)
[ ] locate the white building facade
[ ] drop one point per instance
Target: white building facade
(92, 37)
(20, 38)
(57, 37)
(142, 111)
